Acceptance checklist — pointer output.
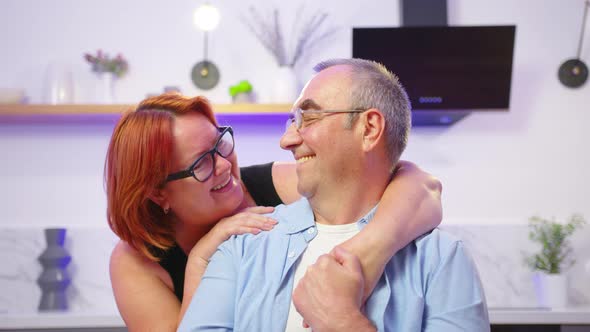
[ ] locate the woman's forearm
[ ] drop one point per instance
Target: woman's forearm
(195, 269)
(409, 207)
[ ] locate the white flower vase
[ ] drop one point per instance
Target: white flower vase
(551, 290)
(285, 89)
(104, 91)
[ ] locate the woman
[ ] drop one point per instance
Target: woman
(174, 188)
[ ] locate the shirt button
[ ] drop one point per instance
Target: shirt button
(311, 230)
(291, 254)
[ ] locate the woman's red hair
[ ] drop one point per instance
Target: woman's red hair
(137, 163)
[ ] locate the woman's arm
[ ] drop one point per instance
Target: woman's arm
(143, 289)
(409, 207)
(284, 178)
(251, 220)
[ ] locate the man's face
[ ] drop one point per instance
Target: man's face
(323, 149)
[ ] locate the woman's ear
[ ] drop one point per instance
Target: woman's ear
(373, 128)
(160, 197)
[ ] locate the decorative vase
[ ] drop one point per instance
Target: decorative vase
(54, 278)
(59, 84)
(551, 290)
(285, 89)
(104, 92)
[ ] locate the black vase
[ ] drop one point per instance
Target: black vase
(54, 279)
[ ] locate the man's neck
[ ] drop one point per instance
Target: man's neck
(347, 203)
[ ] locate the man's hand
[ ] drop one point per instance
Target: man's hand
(329, 296)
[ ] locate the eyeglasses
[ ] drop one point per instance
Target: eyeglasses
(296, 115)
(203, 167)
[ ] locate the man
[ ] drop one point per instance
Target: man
(347, 132)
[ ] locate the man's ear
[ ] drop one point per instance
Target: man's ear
(373, 128)
(160, 197)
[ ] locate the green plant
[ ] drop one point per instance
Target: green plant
(555, 252)
(242, 87)
(103, 63)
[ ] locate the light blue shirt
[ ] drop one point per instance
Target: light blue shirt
(430, 285)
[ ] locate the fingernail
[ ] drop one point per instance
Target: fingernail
(272, 221)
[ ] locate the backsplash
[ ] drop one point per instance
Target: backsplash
(90, 289)
(497, 250)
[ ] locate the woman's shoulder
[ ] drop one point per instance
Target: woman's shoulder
(126, 261)
(124, 253)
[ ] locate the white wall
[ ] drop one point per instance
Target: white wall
(500, 167)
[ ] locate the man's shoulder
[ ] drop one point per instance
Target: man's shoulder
(434, 247)
(437, 238)
(285, 215)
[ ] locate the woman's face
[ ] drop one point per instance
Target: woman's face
(191, 201)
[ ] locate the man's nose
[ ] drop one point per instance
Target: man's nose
(291, 138)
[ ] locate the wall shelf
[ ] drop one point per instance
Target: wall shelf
(86, 109)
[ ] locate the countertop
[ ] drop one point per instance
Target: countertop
(571, 316)
(60, 320)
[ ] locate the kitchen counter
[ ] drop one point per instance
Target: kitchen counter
(59, 320)
(539, 316)
(82, 320)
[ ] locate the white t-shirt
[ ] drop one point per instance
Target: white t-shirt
(327, 238)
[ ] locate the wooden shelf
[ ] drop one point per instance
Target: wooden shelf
(67, 109)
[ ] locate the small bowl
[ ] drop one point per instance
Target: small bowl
(11, 95)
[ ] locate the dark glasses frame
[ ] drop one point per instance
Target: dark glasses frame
(190, 171)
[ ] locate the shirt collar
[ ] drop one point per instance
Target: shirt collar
(299, 216)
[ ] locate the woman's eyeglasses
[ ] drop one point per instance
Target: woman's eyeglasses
(203, 167)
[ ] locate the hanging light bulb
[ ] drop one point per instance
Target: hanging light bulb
(205, 74)
(206, 17)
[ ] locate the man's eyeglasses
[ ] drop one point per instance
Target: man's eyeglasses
(203, 167)
(296, 115)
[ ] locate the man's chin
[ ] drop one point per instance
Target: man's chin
(304, 191)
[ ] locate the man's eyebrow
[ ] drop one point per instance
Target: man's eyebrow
(309, 104)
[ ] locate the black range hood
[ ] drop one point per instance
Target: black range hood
(447, 71)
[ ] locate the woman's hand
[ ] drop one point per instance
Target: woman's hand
(250, 220)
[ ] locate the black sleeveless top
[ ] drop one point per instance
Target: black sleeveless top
(258, 181)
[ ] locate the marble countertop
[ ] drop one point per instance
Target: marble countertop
(572, 315)
(60, 320)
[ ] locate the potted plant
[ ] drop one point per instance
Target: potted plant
(241, 92)
(103, 63)
(554, 257)
(107, 70)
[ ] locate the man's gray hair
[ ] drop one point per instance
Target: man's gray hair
(373, 86)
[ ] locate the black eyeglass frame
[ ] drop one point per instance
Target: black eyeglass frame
(190, 171)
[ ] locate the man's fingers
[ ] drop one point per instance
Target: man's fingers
(347, 259)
